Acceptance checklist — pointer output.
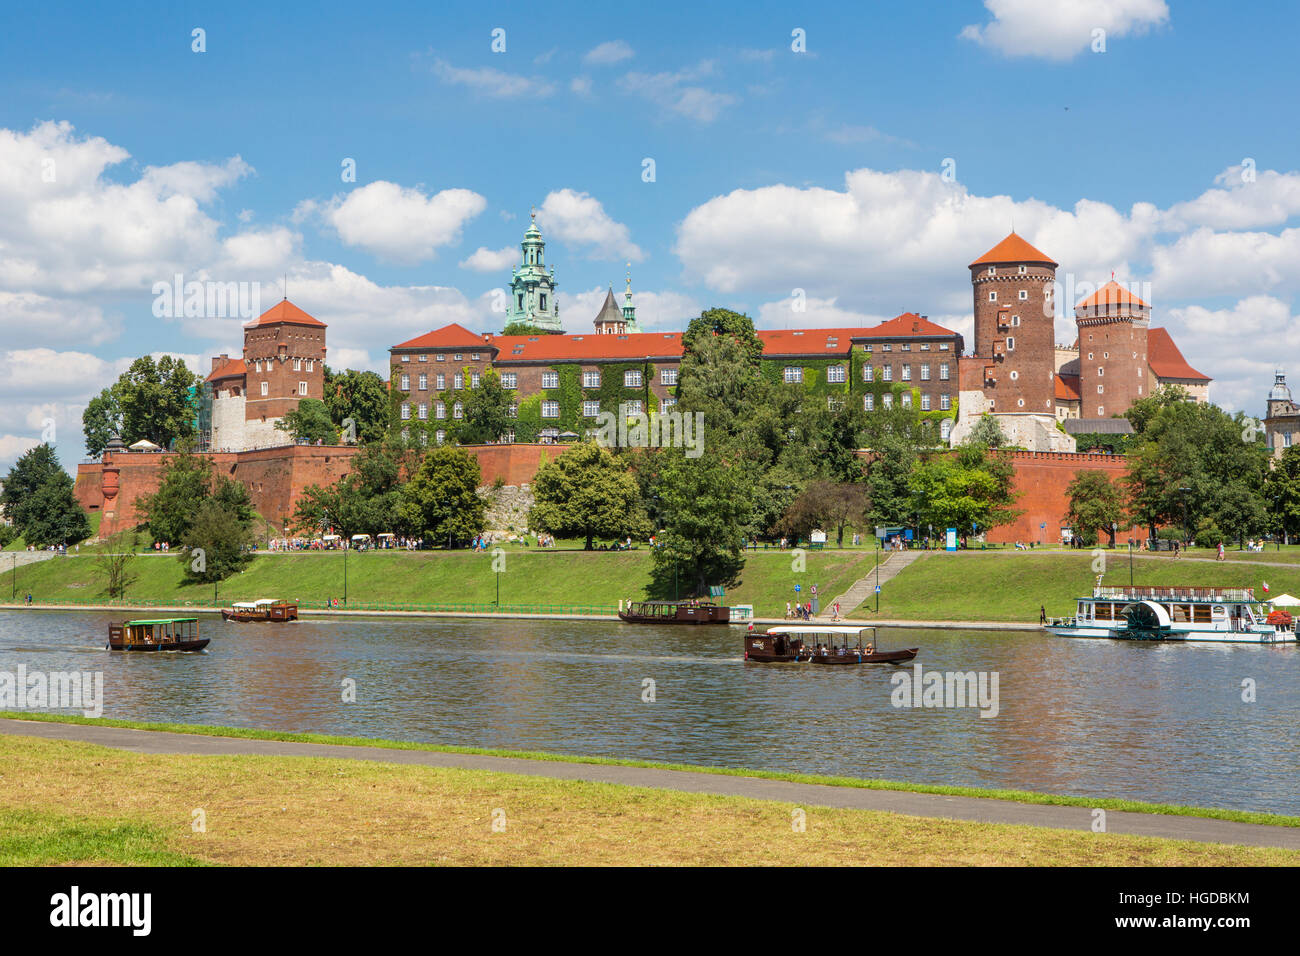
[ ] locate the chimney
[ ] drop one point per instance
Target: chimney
(218, 361)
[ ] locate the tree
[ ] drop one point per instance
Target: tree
(725, 324)
(310, 422)
(523, 328)
(185, 481)
(824, 504)
(969, 488)
(487, 412)
(359, 397)
(705, 505)
(893, 436)
(218, 541)
(1282, 492)
(1142, 412)
(986, 433)
(441, 500)
(587, 492)
(38, 497)
(1095, 503)
(150, 400)
(115, 563)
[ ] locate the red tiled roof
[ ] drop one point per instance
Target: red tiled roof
(1067, 388)
(1166, 361)
(286, 312)
(902, 326)
(588, 346)
(229, 370)
(452, 336)
(808, 341)
(1012, 249)
(1112, 293)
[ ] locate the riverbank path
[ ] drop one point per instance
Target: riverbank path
(979, 809)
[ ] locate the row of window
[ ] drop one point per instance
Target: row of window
(297, 365)
(1022, 295)
(632, 378)
(887, 401)
(457, 357)
(550, 409)
(904, 347)
(266, 389)
(905, 372)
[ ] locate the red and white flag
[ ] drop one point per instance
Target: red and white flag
(1265, 587)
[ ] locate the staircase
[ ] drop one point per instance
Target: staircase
(865, 588)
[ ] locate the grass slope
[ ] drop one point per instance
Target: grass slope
(310, 811)
(1002, 586)
(555, 578)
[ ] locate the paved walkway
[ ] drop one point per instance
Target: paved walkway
(865, 587)
(804, 794)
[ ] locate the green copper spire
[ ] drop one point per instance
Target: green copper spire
(532, 288)
(629, 310)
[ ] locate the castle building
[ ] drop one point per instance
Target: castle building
(1112, 324)
(1282, 421)
(532, 288)
(283, 362)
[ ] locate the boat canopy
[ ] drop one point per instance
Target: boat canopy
(245, 605)
(850, 629)
(262, 602)
(163, 620)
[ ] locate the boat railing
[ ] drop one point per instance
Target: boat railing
(1175, 593)
(571, 610)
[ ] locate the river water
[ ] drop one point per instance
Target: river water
(1146, 721)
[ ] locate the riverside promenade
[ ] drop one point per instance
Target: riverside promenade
(977, 809)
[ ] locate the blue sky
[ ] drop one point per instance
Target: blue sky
(774, 170)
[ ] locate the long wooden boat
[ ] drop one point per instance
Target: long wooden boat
(160, 634)
(821, 644)
(675, 612)
(260, 611)
(1186, 613)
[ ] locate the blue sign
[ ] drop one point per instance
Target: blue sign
(950, 543)
(877, 588)
(1042, 526)
(908, 534)
(796, 589)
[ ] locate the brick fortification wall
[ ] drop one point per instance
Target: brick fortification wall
(1041, 479)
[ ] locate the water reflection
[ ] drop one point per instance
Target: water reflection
(1147, 721)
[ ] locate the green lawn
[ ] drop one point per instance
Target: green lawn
(976, 586)
(532, 577)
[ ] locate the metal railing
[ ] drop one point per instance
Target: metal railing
(583, 610)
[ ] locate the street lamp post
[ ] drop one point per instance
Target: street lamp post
(877, 575)
(1184, 492)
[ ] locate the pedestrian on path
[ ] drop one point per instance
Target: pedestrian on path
(1220, 551)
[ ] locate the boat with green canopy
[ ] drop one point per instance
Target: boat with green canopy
(157, 634)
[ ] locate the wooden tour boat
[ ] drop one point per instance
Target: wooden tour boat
(161, 634)
(675, 612)
(263, 610)
(818, 644)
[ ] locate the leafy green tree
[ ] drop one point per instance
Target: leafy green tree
(185, 481)
(826, 504)
(441, 501)
(154, 400)
(1281, 492)
(1142, 412)
(587, 492)
(340, 508)
(523, 328)
(38, 497)
(705, 506)
(1095, 504)
(723, 323)
(487, 412)
(969, 488)
(892, 436)
(7, 535)
(115, 562)
(986, 433)
(217, 543)
(362, 399)
(310, 422)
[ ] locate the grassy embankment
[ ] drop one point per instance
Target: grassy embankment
(532, 578)
(116, 807)
(1002, 586)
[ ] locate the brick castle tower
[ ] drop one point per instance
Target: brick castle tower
(1113, 371)
(1014, 320)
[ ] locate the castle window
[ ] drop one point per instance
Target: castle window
(945, 403)
(297, 365)
(1014, 375)
(887, 373)
(834, 404)
(406, 411)
(887, 400)
(943, 371)
(543, 302)
(1101, 411)
(458, 356)
(1024, 269)
(266, 389)
(473, 379)
(905, 347)
(509, 380)
(406, 382)
(886, 347)
(513, 410)
(591, 379)
(993, 295)
(440, 436)
(907, 373)
(1023, 295)
(458, 381)
(458, 410)
(405, 358)
(943, 346)
(633, 407)
(1100, 371)
(424, 358)
(424, 382)
(667, 405)
(868, 373)
(423, 411)
(868, 402)
(550, 409)
(440, 358)
(550, 380)
(925, 371)
(945, 428)
(440, 410)
(1090, 354)
(632, 378)
(258, 365)
(1020, 403)
(475, 356)
(590, 409)
(1015, 320)
(1011, 343)
(508, 438)
(311, 365)
(1100, 388)
(668, 376)
(925, 402)
(835, 373)
(867, 347)
(1105, 355)
(440, 381)
(521, 302)
(993, 270)
(302, 388)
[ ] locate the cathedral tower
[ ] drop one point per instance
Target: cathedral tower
(532, 288)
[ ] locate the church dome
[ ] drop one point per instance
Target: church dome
(1279, 392)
